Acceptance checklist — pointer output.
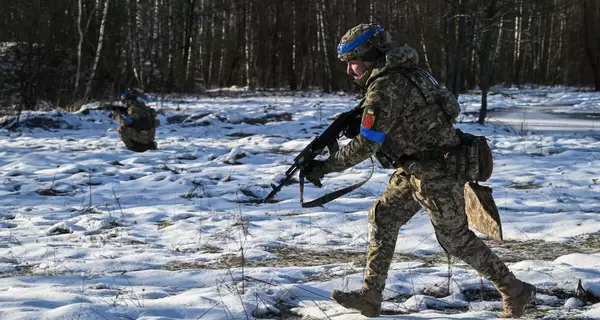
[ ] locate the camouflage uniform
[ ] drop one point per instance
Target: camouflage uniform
(400, 121)
(139, 135)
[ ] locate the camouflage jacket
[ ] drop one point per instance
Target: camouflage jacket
(144, 117)
(399, 117)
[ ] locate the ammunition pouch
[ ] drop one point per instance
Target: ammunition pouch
(479, 159)
(471, 160)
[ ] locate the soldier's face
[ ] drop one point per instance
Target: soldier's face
(357, 69)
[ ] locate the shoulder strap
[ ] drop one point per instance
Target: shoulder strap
(419, 77)
(430, 89)
(332, 195)
(424, 81)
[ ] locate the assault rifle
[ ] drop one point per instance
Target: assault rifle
(327, 139)
(121, 111)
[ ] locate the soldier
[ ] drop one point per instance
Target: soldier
(407, 123)
(138, 128)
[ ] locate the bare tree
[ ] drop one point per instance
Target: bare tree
(162, 45)
(487, 30)
(81, 33)
(88, 87)
(591, 18)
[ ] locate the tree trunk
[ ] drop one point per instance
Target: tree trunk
(138, 46)
(249, 46)
(458, 50)
(422, 41)
(171, 48)
(223, 52)
(485, 63)
(324, 46)
(80, 32)
(293, 80)
(79, 47)
(591, 43)
(188, 41)
(88, 87)
(518, 52)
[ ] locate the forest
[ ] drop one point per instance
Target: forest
(67, 52)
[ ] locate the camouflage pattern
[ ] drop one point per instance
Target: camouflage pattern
(140, 135)
(370, 50)
(400, 121)
(443, 199)
(409, 123)
(482, 212)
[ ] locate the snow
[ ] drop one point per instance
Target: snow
(91, 230)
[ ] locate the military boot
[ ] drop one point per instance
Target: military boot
(516, 294)
(367, 301)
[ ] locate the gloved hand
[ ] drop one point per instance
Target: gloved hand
(315, 170)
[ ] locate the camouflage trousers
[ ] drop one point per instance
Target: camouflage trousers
(137, 140)
(443, 199)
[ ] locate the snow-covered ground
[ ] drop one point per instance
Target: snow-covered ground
(91, 230)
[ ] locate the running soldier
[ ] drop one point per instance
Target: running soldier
(407, 123)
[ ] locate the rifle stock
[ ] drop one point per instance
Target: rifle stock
(315, 147)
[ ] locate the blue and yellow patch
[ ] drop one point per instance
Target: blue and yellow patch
(369, 118)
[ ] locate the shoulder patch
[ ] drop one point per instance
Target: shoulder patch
(368, 121)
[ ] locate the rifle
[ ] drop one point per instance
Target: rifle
(122, 111)
(327, 139)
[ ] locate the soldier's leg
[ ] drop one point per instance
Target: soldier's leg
(124, 134)
(152, 138)
(145, 139)
(137, 140)
(387, 214)
(393, 209)
(444, 201)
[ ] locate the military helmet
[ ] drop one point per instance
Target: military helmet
(365, 42)
(129, 95)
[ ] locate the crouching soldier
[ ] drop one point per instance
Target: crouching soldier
(137, 126)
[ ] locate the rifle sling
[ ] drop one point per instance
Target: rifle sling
(332, 195)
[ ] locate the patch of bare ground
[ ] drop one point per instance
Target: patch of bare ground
(295, 257)
(266, 119)
(511, 251)
(515, 251)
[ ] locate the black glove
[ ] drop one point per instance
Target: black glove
(315, 170)
(353, 127)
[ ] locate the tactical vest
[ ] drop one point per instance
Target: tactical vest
(145, 117)
(469, 157)
(438, 108)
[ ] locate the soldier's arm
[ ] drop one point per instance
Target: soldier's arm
(377, 121)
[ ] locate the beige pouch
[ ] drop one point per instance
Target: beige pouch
(481, 210)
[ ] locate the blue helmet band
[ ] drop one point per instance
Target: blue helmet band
(128, 95)
(351, 45)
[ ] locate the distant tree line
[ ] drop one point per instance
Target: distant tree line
(70, 51)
